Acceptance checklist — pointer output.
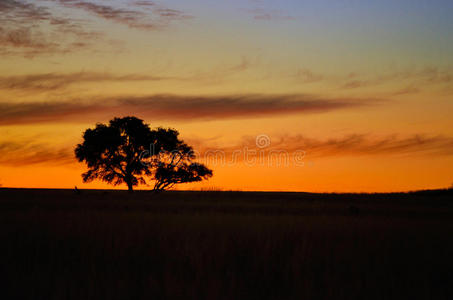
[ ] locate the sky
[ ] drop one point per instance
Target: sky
(300, 95)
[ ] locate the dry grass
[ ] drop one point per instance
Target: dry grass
(225, 245)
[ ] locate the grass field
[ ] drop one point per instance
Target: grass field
(58, 244)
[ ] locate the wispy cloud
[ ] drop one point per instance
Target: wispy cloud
(263, 14)
(11, 9)
(32, 28)
(144, 3)
(220, 73)
(22, 30)
(361, 144)
(43, 82)
(351, 145)
(25, 38)
(140, 14)
(15, 153)
(173, 107)
(407, 90)
(55, 81)
(307, 76)
(413, 76)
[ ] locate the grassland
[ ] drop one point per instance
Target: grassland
(59, 244)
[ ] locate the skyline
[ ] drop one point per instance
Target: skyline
(363, 88)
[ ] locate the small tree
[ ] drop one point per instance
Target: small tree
(120, 153)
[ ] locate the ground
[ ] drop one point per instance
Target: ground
(63, 244)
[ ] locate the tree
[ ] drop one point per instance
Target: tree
(127, 151)
(112, 151)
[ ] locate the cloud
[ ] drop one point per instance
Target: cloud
(147, 16)
(435, 75)
(32, 28)
(350, 145)
(356, 84)
(14, 153)
(144, 3)
(242, 66)
(24, 38)
(14, 32)
(220, 73)
(55, 81)
(360, 144)
(13, 9)
(173, 107)
(407, 90)
(308, 76)
(413, 76)
(262, 14)
(29, 29)
(42, 82)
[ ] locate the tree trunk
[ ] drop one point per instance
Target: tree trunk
(130, 188)
(129, 181)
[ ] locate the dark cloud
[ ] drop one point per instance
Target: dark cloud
(173, 107)
(54, 81)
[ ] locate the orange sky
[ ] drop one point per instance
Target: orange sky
(363, 90)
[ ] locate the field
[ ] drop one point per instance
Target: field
(59, 244)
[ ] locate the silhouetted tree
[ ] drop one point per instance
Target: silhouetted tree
(127, 150)
(112, 152)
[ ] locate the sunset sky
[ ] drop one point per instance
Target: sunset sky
(362, 88)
